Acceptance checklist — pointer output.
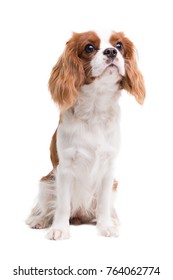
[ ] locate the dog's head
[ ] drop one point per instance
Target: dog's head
(89, 56)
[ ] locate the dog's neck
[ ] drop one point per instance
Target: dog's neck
(98, 100)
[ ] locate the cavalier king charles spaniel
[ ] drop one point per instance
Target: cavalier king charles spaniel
(86, 83)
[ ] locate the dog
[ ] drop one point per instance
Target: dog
(86, 83)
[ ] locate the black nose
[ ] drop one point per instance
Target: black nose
(110, 52)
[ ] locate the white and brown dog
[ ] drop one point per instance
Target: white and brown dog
(86, 83)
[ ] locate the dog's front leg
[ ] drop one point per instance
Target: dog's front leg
(105, 223)
(60, 226)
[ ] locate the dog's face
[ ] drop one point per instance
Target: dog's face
(89, 56)
(99, 56)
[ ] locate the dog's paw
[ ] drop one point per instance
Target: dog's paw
(40, 225)
(37, 223)
(108, 230)
(60, 234)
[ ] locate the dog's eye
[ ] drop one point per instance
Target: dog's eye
(119, 46)
(89, 48)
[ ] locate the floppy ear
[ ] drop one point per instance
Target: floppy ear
(133, 81)
(67, 76)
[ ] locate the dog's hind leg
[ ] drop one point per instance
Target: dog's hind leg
(42, 214)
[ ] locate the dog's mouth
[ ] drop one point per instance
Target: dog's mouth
(109, 69)
(112, 65)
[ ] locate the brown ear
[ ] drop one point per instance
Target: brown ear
(67, 76)
(133, 81)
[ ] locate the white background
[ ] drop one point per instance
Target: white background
(32, 36)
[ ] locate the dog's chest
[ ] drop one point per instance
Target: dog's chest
(89, 132)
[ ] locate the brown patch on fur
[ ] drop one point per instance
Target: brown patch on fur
(75, 221)
(133, 81)
(115, 185)
(49, 177)
(53, 150)
(84, 39)
(80, 217)
(54, 159)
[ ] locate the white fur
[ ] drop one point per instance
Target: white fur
(88, 142)
(99, 62)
